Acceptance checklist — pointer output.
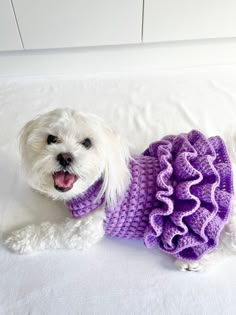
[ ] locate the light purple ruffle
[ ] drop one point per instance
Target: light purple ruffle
(194, 190)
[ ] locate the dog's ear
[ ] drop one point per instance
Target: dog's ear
(23, 137)
(116, 173)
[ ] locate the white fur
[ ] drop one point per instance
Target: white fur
(107, 158)
(72, 234)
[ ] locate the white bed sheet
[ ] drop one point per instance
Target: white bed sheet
(116, 276)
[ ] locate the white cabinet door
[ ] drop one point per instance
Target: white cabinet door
(166, 20)
(9, 35)
(70, 23)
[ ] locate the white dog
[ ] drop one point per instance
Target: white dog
(64, 153)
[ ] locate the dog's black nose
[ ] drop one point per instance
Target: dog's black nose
(65, 159)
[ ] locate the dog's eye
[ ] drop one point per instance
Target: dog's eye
(87, 143)
(52, 139)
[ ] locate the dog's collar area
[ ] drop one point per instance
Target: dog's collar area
(87, 202)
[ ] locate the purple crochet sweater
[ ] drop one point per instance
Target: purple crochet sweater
(179, 197)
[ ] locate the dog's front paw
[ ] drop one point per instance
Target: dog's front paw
(188, 266)
(21, 241)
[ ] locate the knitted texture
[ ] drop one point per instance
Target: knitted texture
(179, 197)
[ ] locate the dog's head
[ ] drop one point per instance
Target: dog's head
(63, 152)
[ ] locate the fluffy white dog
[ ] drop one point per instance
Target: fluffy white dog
(64, 153)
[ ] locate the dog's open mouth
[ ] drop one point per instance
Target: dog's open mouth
(63, 180)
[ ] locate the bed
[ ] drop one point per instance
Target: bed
(115, 276)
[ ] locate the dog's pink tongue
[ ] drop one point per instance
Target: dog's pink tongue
(64, 179)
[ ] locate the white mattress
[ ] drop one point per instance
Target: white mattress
(115, 276)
